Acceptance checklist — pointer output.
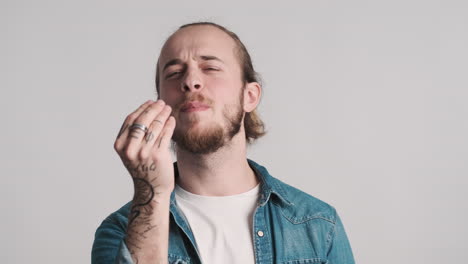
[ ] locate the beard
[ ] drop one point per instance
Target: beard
(210, 139)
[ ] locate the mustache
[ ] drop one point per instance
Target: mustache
(197, 97)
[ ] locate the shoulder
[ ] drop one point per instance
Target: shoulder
(109, 236)
(296, 205)
(119, 218)
(302, 206)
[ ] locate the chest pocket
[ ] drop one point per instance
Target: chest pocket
(301, 238)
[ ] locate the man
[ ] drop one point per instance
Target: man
(213, 205)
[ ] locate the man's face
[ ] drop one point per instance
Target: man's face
(201, 81)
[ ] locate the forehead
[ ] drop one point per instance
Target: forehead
(198, 41)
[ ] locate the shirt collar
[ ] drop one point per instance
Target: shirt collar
(269, 186)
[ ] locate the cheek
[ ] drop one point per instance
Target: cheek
(169, 95)
(224, 86)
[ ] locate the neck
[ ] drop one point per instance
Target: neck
(224, 172)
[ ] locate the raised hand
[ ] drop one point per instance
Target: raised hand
(143, 145)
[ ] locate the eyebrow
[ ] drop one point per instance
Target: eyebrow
(208, 58)
(179, 61)
(172, 62)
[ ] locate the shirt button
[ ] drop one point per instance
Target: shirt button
(260, 233)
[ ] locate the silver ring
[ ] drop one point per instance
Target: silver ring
(139, 126)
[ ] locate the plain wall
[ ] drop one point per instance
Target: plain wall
(365, 103)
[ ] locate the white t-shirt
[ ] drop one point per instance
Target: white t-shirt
(222, 225)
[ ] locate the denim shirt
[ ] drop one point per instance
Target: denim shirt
(289, 226)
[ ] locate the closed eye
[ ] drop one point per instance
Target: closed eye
(173, 74)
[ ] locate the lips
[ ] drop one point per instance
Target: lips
(193, 107)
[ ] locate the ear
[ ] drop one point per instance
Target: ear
(252, 94)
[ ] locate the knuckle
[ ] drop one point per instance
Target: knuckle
(143, 155)
(129, 154)
(156, 123)
(132, 116)
(117, 147)
(129, 117)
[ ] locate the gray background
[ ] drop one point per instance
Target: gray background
(365, 103)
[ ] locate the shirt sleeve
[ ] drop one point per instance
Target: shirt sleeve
(340, 250)
(109, 241)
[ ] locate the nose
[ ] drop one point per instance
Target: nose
(192, 82)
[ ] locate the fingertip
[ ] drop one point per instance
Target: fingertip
(172, 120)
(167, 109)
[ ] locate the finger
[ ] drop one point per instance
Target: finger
(145, 118)
(164, 140)
(132, 116)
(124, 129)
(136, 136)
(154, 131)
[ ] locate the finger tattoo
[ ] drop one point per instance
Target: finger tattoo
(122, 130)
(149, 137)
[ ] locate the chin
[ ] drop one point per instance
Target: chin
(200, 139)
(191, 120)
(197, 127)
